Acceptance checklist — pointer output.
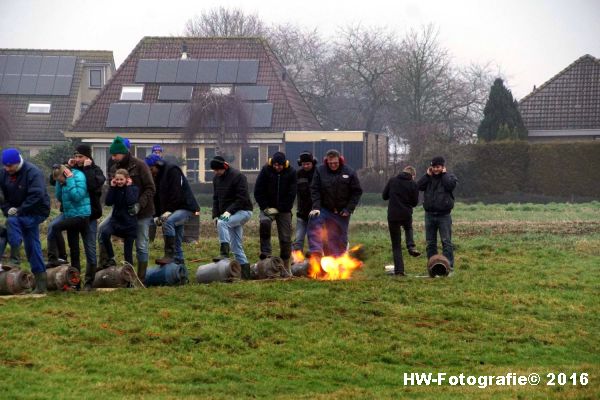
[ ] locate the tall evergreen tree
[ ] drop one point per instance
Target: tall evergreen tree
(501, 109)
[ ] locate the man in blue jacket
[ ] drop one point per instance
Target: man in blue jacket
(438, 185)
(26, 206)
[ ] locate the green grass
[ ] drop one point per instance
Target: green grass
(524, 299)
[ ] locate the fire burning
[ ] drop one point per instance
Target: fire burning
(331, 268)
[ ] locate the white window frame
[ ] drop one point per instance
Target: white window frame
(39, 108)
(132, 93)
(197, 159)
(99, 69)
(257, 158)
(221, 90)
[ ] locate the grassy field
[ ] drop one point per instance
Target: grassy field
(524, 299)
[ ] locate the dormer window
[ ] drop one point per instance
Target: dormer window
(132, 93)
(38, 108)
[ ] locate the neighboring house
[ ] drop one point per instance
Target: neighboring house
(156, 92)
(567, 107)
(45, 91)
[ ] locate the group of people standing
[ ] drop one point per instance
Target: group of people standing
(155, 192)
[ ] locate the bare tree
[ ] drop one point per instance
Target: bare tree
(225, 22)
(5, 125)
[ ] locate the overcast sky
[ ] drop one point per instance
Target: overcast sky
(530, 40)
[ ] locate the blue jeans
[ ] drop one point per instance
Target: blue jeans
(330, 228)
(89, 243)
(143, 237)
(232, 232)
(26, 228)
(301, 226)
(443, 224)
(173, 226)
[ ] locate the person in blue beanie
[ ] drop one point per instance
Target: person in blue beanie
(157, 150)
(26, 206)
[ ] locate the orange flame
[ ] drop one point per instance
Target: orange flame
(333, 268)
(298, 256)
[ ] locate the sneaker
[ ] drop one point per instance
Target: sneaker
(263, 256)
(414, 252)
(392, 273)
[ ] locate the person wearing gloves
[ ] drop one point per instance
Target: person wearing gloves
(174, 205)
(71, 191)
(141, 177)
(275, 192)
(26, 205)
(335, 192)
(232, 208)
(438, 186)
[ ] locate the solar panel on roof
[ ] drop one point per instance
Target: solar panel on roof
(32, 64)
(62, 85)
(207, 71)
(159, 115)
(262, 114)
(175, 93)
(14, 65)
(179, 115)
(186, 71)
(10, 84)
(247, 71)
(227, 71)
(2, 64)
(44, 85)
(252, 92)
(118, 114)
(66, 65)
(27, 84)
(49, 65)
(146, 71)
(167, 71)
(138, 115)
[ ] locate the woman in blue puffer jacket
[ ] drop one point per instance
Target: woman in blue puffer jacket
(71, 191)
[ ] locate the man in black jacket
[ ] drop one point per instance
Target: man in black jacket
(275, 191)
(304, 178)
(94, 177)
(232, 208)
(174, 205)
(438, 185)
(335, 192)
(403, 195)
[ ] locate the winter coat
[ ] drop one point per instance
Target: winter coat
(439, 198)
(275, 189)
(403, 194)
(121, 199)
(25, 190)
(304, 179)
(95, 179)
(335, 190)
(230, 193)
(73, 196)
(173, 192)
(142, 178)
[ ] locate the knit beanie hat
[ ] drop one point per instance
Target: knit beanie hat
(118, 146)
(127, 143)
(278, 158)
(157, 147)
(438, 161)
(84, 150)
(306, 156)
(217, 162)
(152, 159)
(11, 156)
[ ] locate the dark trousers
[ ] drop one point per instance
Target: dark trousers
(75, 227)
(105, 240)
(396, 238)
(328, 233)
(442, 224)
(284, 232)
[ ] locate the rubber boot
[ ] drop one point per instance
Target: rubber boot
(53, 259)
(90, 273)
(224, 253)
(246, 275)
(168, 258)
(103, 260)
(41, 283)
(141, 272)
(15, 259)
(287, 272)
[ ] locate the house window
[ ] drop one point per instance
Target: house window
(38, 108)
(209, 154)
(272, 149)
(96, 78)
(132, 93)
(84, 107)
(192, 163)
(142, 152)
(221, 90)
(250, 159)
